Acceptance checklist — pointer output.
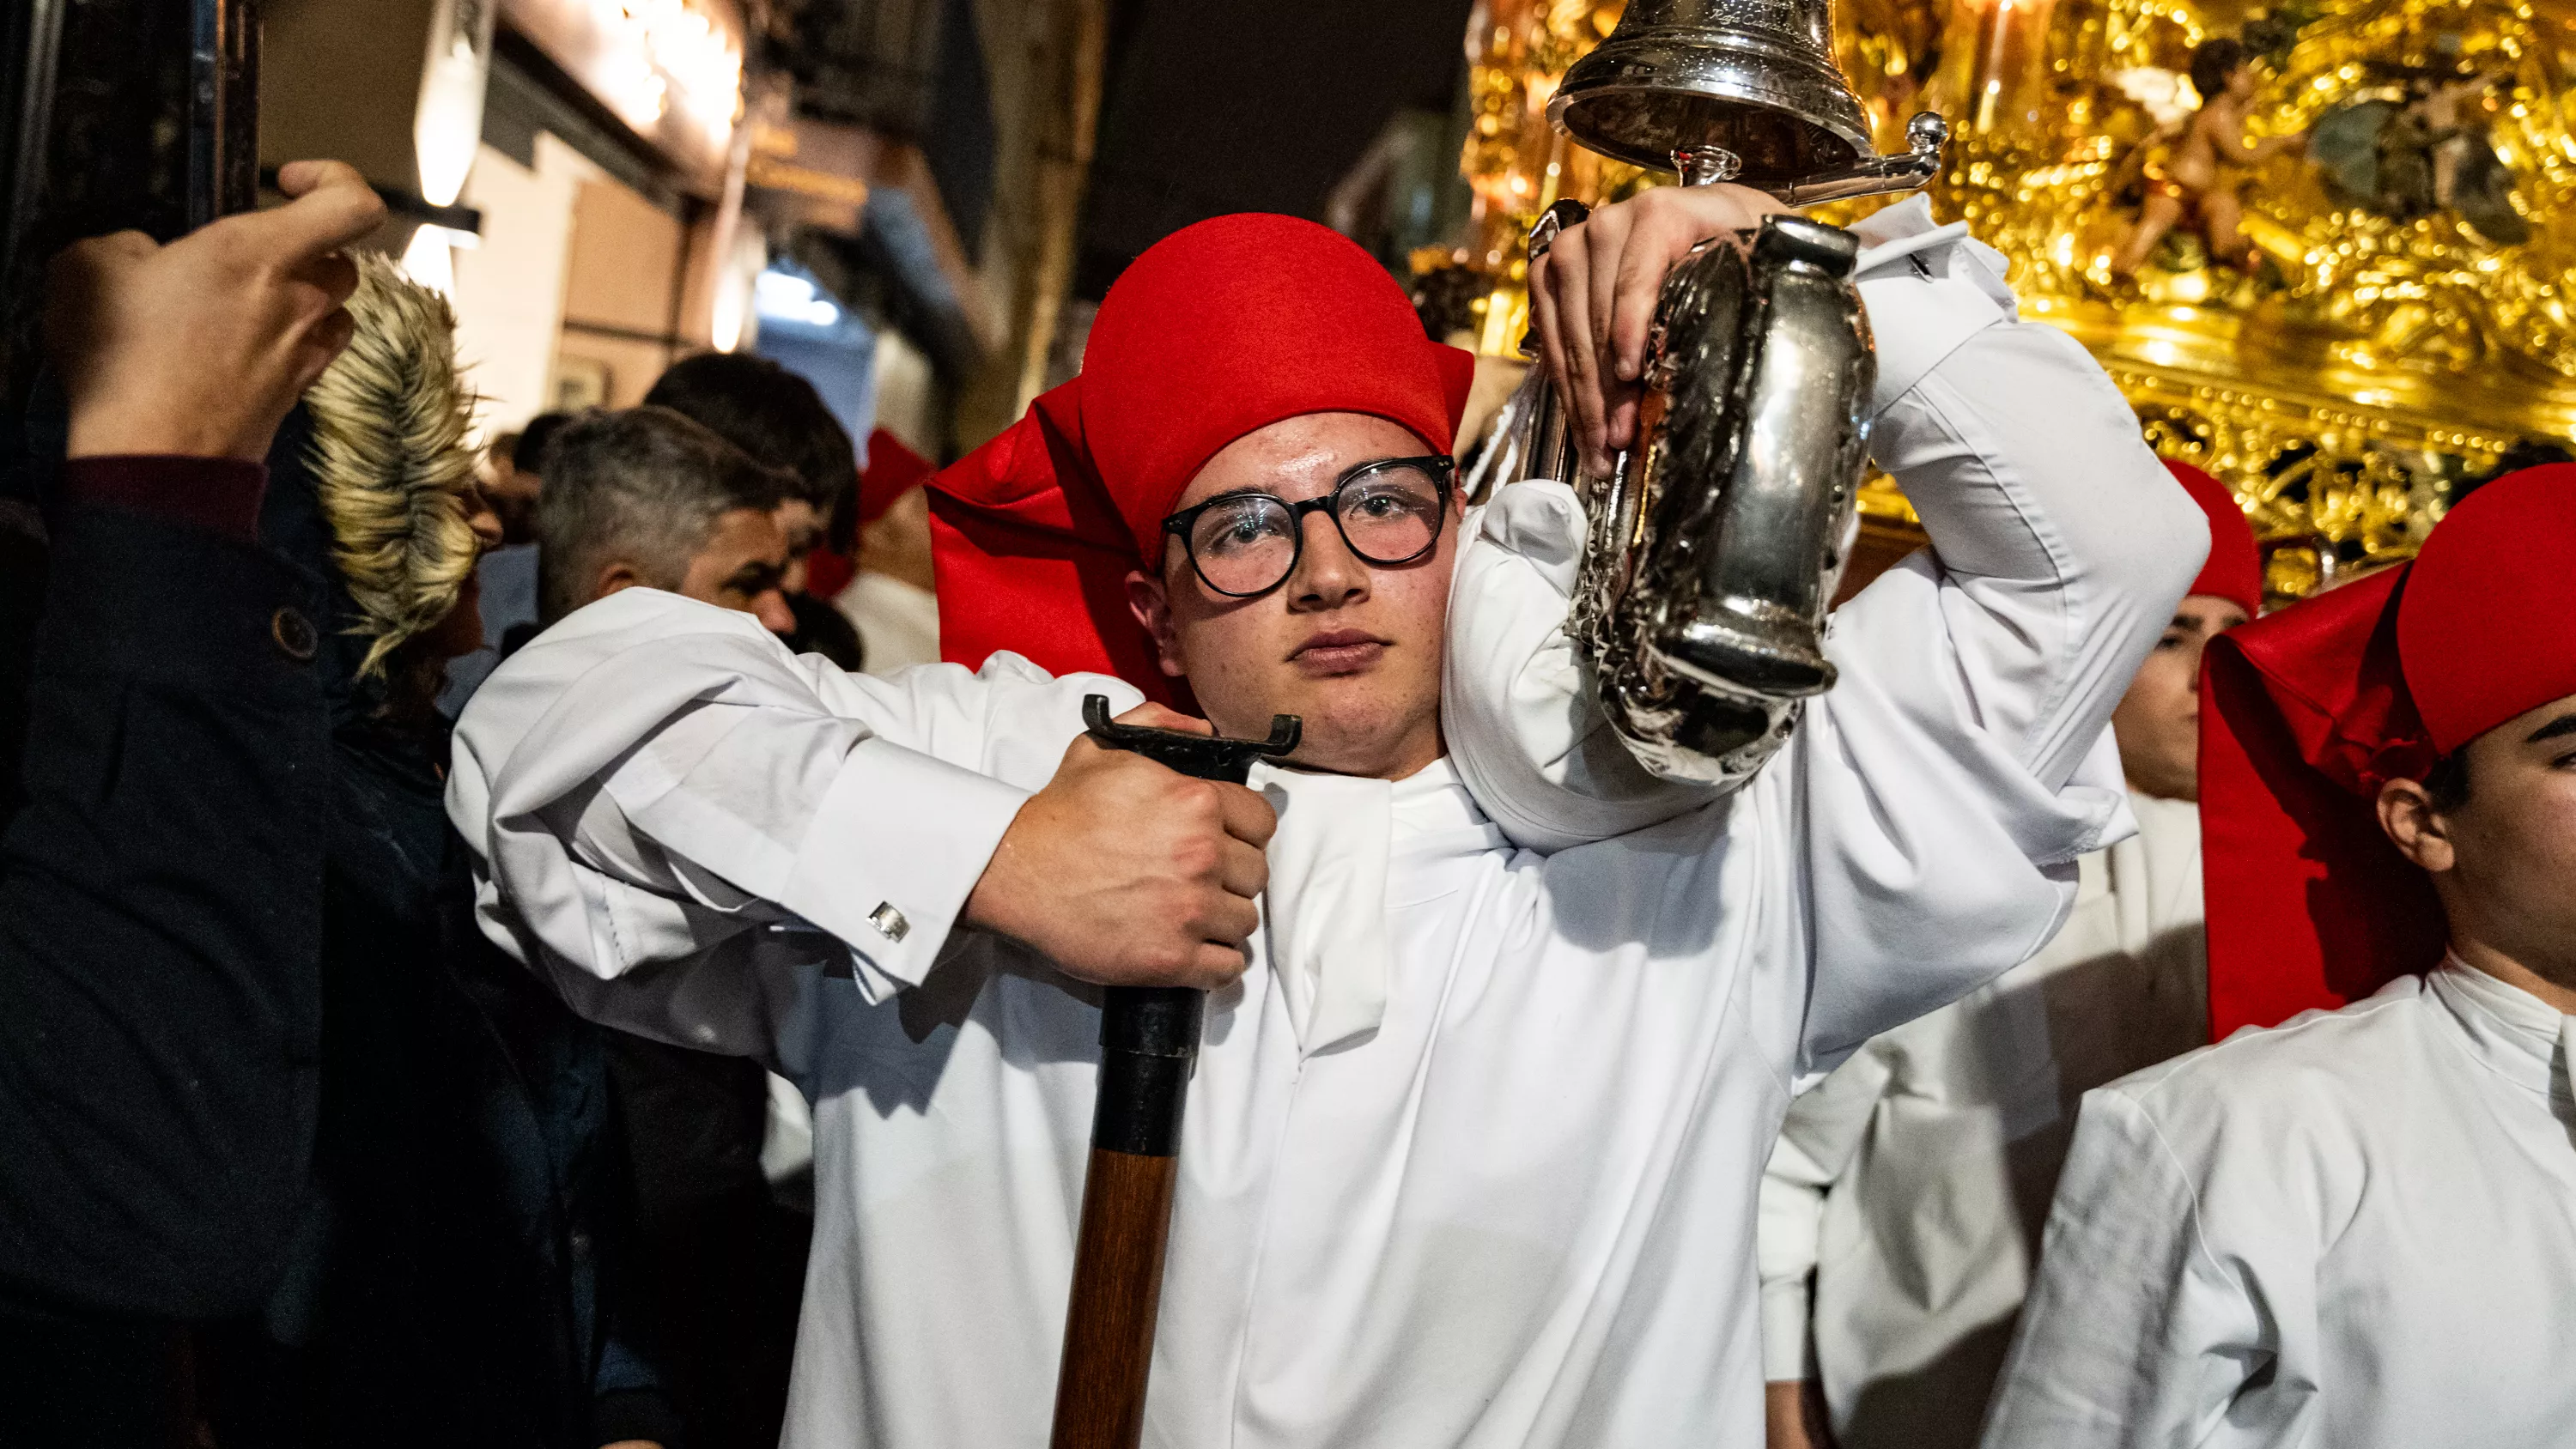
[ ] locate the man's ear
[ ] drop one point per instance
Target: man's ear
(614, 575)
(2418, 831)
(1153, 609)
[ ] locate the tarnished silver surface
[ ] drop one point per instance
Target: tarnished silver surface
(1547, 438)
(1713, 553)
(1751, 79)
(1560, 214)
(1714, 547)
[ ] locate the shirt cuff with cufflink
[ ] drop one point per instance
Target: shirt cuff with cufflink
(891, 855)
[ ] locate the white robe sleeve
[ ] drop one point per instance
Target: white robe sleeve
(1962, 762)
(2137, 1334)
(1817, 1143)
(659, 795)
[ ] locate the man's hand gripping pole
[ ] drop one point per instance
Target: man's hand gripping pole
(1149, 1041)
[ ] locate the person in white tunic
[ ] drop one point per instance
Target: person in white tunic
(2354, 1229)
(1471, 1150)
(1901, 1210)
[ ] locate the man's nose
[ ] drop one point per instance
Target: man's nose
(1328, 574)
(772, 612)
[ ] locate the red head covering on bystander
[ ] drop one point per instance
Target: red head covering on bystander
(1218, 330)
(2307, 713)
(892, 471)
(2235, 568)
(2488, 629)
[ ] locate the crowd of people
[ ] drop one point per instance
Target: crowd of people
(524, 944)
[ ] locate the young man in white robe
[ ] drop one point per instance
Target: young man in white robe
(2353, 1229)
(1902, 1208)
(1471, 1148)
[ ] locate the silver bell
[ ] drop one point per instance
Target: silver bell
(1736, 90)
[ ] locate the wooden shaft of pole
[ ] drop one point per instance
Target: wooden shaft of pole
(1117, 1286)
(1149, 1040)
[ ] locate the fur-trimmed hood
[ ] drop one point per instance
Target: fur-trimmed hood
(390, 463)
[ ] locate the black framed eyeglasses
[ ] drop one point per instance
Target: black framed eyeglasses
(1389, 513)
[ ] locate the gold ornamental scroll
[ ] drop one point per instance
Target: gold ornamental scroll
(2403, 318)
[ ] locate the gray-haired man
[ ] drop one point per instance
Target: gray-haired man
(652, 498)
(646, 498)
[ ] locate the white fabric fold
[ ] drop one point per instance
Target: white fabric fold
(2519, 1036)
(1522, 727)
(1324, 916)
(1927, 288)
(1894, 1243)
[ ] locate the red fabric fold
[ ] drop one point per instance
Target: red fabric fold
(2309, 905)
(892, 471)
(1039, 565)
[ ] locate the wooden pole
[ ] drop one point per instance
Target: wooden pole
(1126, 1220)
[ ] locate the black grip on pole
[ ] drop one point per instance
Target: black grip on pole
(1149, 1039)
(1149, 1035)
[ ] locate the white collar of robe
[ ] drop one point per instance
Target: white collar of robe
(2516, 1034)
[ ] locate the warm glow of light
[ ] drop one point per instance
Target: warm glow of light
(725, 330)
(666, 53)
(448, 124)
(429, 262)
(732, 322)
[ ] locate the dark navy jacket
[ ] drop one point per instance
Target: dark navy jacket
(257, 1071)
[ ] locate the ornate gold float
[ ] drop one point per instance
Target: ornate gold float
(2403, 313)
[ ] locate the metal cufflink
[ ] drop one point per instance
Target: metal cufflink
(889, 922)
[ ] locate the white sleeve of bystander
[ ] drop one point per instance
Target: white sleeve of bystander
(2137, 1333)
(1817, 1143)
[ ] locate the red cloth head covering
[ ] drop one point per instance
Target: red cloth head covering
(2235, 568)
(2307, 713)
(2474, 665)
(892, 471)
(1219, 329)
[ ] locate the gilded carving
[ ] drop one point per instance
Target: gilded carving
(2353, 297)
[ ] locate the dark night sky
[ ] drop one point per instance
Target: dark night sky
(1250, 105)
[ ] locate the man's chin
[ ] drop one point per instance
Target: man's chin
(1351, 737)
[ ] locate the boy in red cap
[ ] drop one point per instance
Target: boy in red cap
(1471, 1146)
(2353, 1229)
(1901, 1210)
